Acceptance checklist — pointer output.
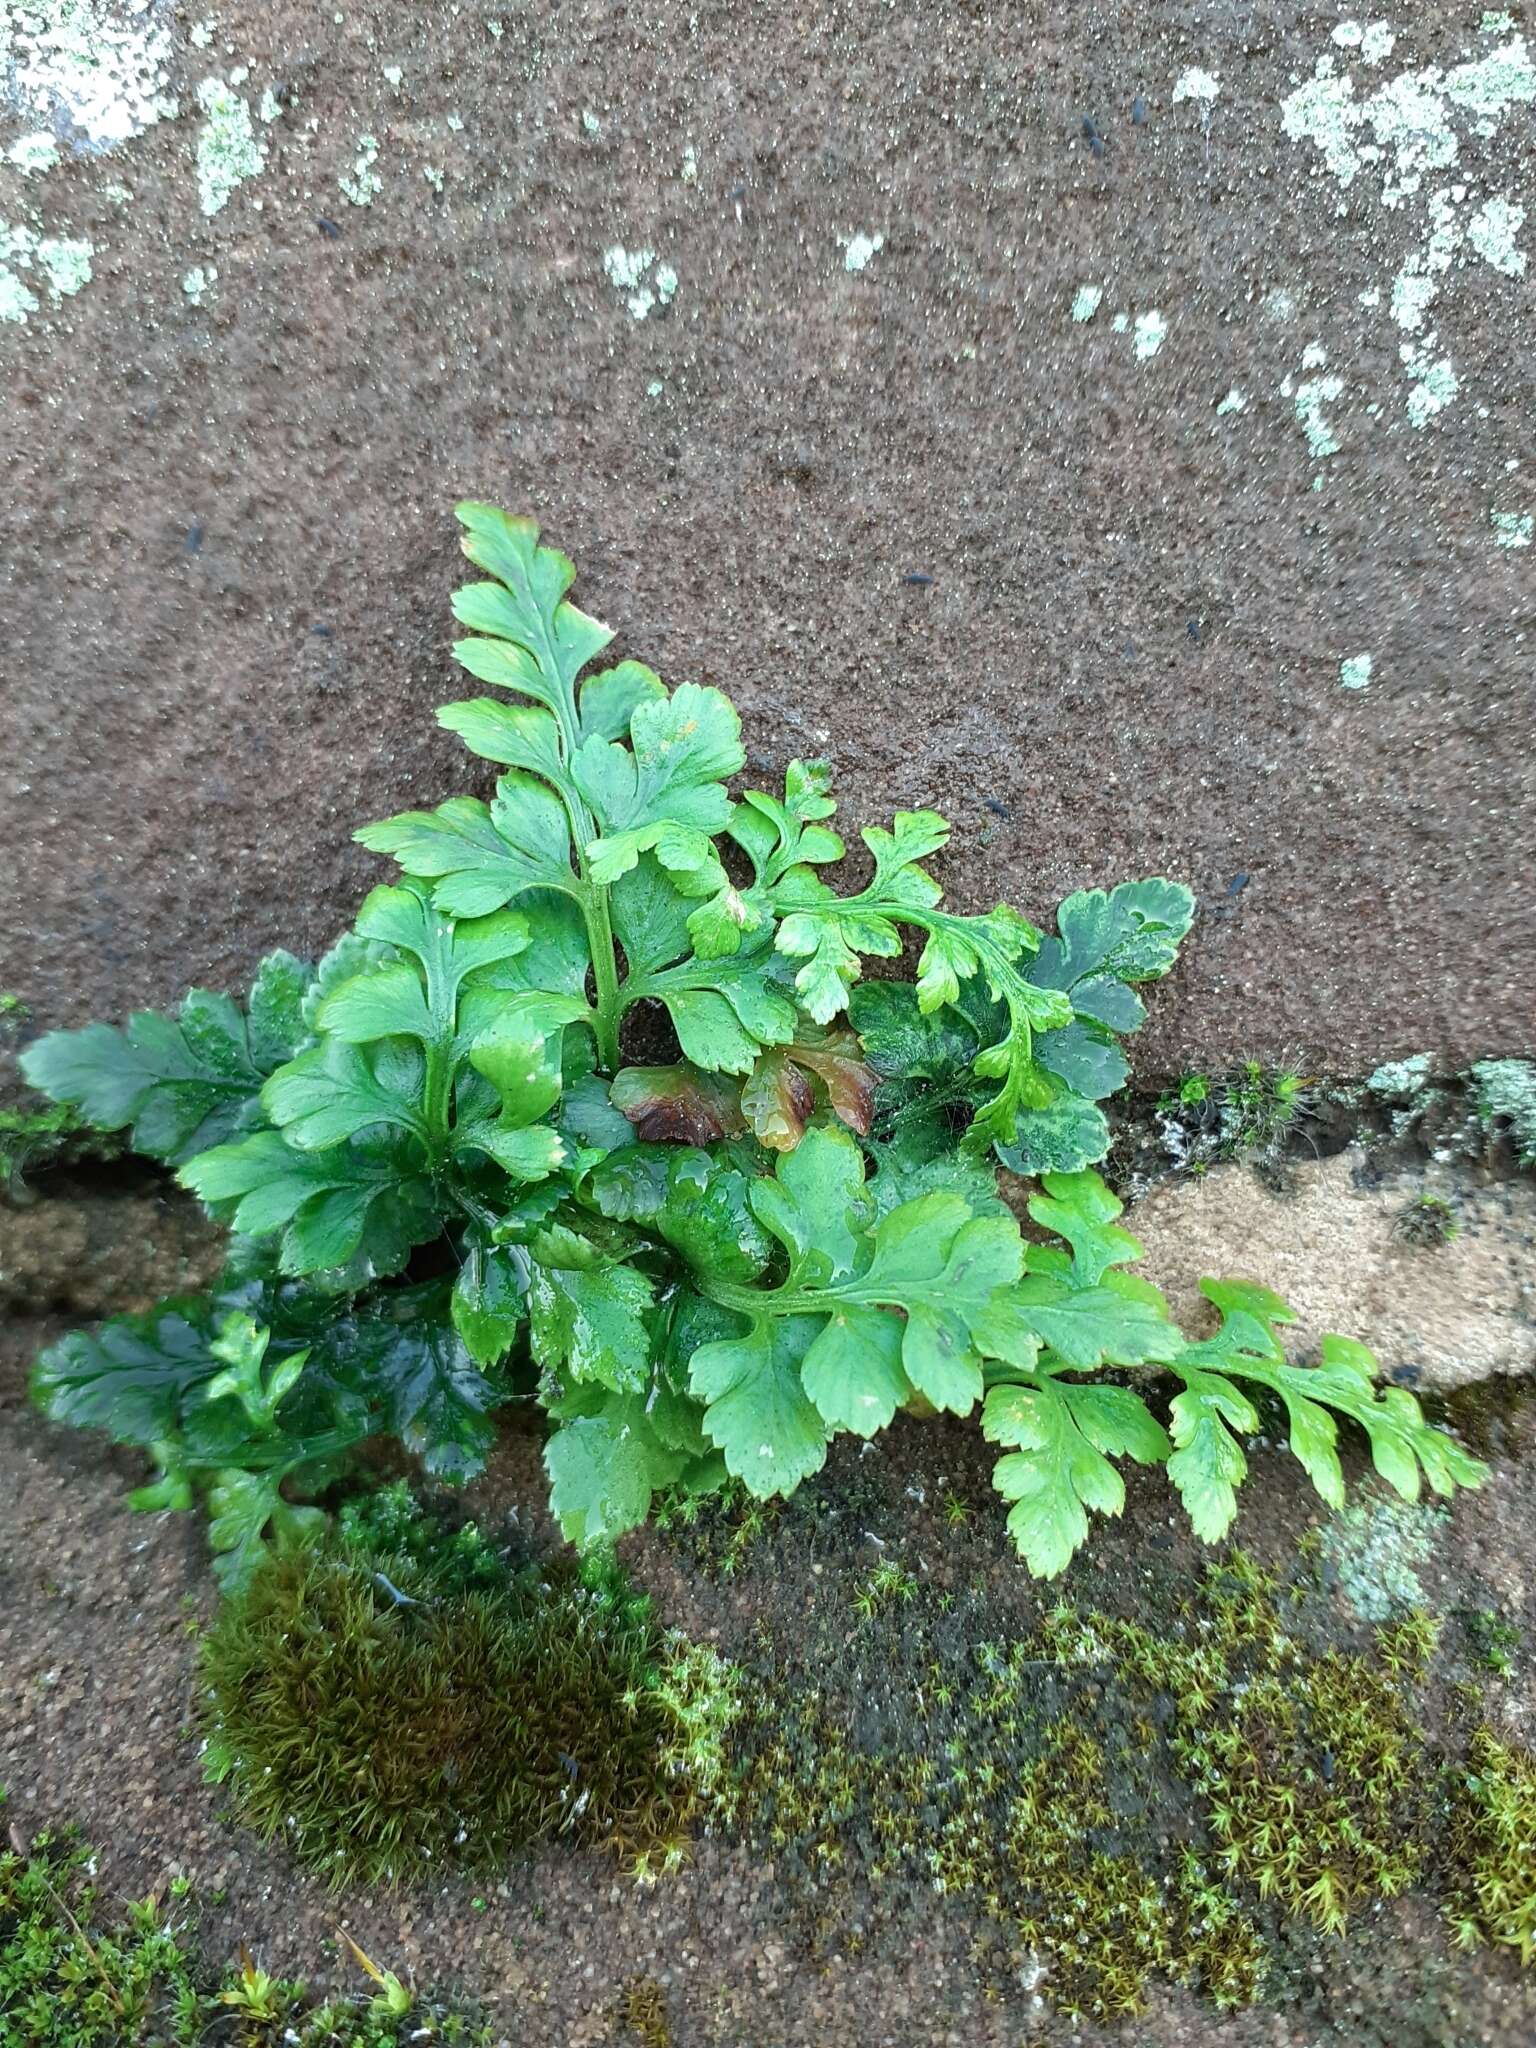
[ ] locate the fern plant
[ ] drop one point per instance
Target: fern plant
(446, 1185)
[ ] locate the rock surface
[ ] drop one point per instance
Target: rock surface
(1029, 434)
(1334, 1245)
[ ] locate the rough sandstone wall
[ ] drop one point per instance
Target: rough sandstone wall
(764, 310)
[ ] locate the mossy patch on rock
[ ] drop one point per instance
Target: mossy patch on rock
(1493, 1845)
(1125, 1801)
(398, 1701)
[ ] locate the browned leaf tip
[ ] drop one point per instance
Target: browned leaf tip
(678, 1105)
(851, 1081)
(778, 1099)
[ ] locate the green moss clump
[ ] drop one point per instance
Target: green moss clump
(388, 1711)
(1250, 1115)
(1428, 1222)
(388, 1522)
(721, 1529)
(1495, 1641)
(1493, 1848)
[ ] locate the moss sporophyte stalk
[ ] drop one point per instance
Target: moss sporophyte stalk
(785, 1227)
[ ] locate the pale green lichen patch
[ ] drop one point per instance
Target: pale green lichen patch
(1323, 111)
(1435, 384)
(1195, 84)
(363, 182)
(1235, 401)
(1151, 332)
(60, 264)
(1355, 673)
(1412, 296)
(228, 151)
(860, 250)
(1492, 231)
(1506, 1093)
(66, 264)
(1401, 1080)
(1375, 43)
(33, 154)
(644, 282)
(17, 303)
(1487, 87)
(198, 282)
(1377, 1549)
(1404, 130)
(1513, 529)
(98, 67)
(1311, 398)
(1087, 302)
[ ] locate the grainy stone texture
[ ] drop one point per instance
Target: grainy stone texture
(229, 457)
(1334, 1243)
(102, 1254)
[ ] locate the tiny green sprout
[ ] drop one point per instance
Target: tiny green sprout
(956, 1513)
(1193, 1089)
(1408, 1646)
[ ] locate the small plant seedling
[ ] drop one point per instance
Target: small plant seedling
(256, 1995)
(393, 1998)
(708, 1259)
